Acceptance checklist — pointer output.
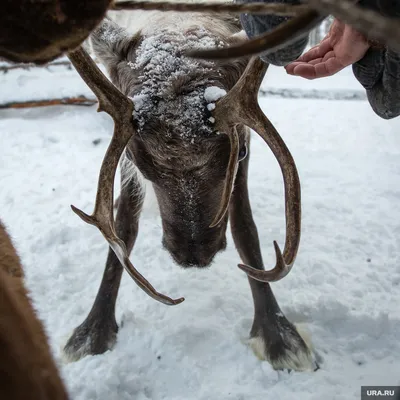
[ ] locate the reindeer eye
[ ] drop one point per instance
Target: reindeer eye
(242, 152)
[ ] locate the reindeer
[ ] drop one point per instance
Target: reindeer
(197, 162)
(185, 159)
(195, 154)
(27, 368)
(198, 168)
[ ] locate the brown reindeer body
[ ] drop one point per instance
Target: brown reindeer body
(27, 368)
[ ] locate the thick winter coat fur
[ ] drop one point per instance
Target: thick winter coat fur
(27, 369)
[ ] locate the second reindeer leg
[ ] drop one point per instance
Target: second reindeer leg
(98, 333)
(272, 336)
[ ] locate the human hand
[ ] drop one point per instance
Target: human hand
(341, 47)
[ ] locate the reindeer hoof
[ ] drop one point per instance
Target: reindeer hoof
(90, 338)
(290, 349)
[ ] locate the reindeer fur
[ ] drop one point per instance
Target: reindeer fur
(27, 368)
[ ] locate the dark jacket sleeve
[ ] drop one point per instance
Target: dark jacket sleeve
(379, 70)
(255, 25)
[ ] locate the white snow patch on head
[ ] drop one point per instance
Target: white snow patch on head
(161, 64)
(211, 95)
(214, 93)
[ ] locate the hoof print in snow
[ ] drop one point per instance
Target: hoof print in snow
(90, 339)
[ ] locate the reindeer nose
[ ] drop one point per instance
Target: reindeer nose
(190, 256)
(194, 260)
(194, 255)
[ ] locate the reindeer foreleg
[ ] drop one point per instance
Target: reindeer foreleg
(98, 333)
(272, 336)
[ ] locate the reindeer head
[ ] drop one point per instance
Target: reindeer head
(163, 119)
(177, 146)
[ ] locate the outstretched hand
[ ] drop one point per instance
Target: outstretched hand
(341, 47)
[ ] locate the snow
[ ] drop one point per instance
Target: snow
(162, 72)
(108, 34)
(213, 93)
(343, 289)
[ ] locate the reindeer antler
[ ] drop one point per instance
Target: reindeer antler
(308, 15)
(216, 7)
(370, 23)
(240, 106)
(271, 41)
(229, 179)
(120, 108)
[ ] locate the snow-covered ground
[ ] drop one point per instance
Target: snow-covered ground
(345, 286)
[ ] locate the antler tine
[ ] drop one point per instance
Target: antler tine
(283, 35)
(241, 103)
(276, 274)
(108, 95)
(120, 108)
(229, 179)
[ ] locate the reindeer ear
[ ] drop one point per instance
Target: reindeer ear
(110, 43)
